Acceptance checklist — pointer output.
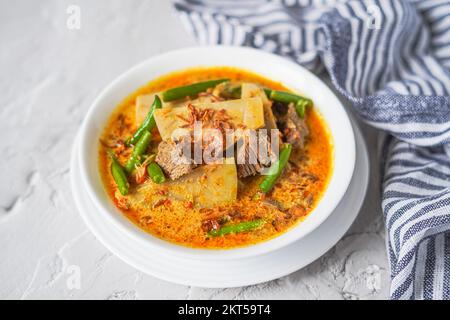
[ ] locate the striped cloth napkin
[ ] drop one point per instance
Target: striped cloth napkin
(391, 60)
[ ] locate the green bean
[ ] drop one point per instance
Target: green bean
(155, 172)
(120, 178)
(191, 90)
(276, 170)
(285, 97)
(138, 151)
(149, 122)
(231, 92)
(237, 228)
(300, 107)
(301, 103)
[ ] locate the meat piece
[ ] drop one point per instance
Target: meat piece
(247, 170)
(274, 204)
(294, 128)
(210, 224)
(213, 218)
(171, 159)
(249, 162)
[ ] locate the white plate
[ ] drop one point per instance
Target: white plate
(229, 273)
(268, 65)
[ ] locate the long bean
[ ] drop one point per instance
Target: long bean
(237, 228)
(231, 92)
(301, 103)
(149, 122)
(267, 92)
(138, 151)
(155, 172)
(119, 176)
(300, 107)
(191, 90)
(276, 170)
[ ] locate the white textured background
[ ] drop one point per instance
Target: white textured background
(49, 77)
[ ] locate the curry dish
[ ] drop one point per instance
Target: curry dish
(235, 192)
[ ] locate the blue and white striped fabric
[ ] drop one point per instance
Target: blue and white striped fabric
(391, 59)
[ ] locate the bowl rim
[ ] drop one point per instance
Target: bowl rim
(337, 184)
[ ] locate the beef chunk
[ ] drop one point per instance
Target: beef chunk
(294, 128)
(248, 161)
(247, 170)
(170, 158)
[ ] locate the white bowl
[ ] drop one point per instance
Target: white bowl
(268, 65)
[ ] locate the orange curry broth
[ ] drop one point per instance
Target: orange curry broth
(300, 187)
